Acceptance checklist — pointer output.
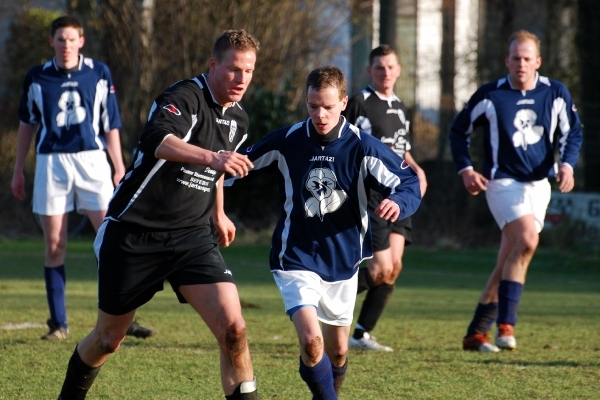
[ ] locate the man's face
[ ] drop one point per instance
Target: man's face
(384, 72)
(230, 78)
(325, 107)
(66, 43)
(523, 61)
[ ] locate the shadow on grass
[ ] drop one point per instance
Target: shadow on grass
(556, 363)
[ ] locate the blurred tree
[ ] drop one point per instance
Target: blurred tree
(27, 45)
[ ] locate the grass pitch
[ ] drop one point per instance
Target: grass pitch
(558, 333)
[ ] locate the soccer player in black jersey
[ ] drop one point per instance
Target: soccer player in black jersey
(378, 111)
(157, 224)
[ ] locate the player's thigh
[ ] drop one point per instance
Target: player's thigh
(336, 339)
(218, 304)
(53, 192)
(92, 180)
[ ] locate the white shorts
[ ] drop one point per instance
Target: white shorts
(64, 181)
(509, 200)
(334, 301)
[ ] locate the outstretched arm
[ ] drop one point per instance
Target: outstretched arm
(175, 149)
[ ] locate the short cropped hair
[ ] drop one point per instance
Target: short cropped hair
(523, 35)
(66, 21)
(327, 76)
(381, 50)
(234, 39)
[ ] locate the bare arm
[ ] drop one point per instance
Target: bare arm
(225, 229)
(175, 149)
(25, 136)
(113, 148)
(418, 170)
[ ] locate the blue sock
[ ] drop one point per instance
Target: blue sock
(319, 379)
(339, 373)
(509, 296)
(55, 293)
(483, 320)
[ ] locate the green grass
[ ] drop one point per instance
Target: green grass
(558, 333)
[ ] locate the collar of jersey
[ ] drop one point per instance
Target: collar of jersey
(204, 82)
(381, 97)
(78, 66)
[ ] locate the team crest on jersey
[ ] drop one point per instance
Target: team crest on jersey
(527, 131)
(232, 129)
(325, 198)
(72, 112)
(172, 109)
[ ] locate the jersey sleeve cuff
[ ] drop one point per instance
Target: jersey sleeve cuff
(464, 169)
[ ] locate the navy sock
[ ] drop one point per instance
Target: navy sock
(78, 380)
(55, 293)
(483, 320)
(319, 379)
(365, 282)
(372, 308)
(339, 373)
(509, 296)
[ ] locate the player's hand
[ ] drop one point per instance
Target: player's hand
(225, 230)
(18, 185)
(565, 178)
(119, 173)
(232, 163)
(388, 210)
(474, 182)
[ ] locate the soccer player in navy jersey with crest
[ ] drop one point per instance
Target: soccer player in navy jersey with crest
(526, 117)
(71, 100)
(326, 168)
(379, 112)
(157, 226)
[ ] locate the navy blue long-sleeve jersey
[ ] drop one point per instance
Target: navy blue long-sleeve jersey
(519, 130)
(324, 224)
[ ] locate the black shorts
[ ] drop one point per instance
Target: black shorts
(133, 263)
(381, 229)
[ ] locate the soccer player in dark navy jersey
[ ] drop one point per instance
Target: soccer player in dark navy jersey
(325, 169)
(157, 225)
(526, 118)
(379, 112)
(69, 104)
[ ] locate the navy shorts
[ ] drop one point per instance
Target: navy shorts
(381, 229)
(134, 262)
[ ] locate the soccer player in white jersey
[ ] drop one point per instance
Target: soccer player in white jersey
(378, 111)
(326, 168)
(520, 115)
(69, 104)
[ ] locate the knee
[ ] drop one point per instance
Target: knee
(235, 338)
(56, 247)
(338, 356)
(313, 349)
(108, 342)
(528, 243)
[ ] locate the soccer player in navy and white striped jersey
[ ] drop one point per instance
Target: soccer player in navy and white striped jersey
(325, 169)
(525, 117)
(69, 104)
